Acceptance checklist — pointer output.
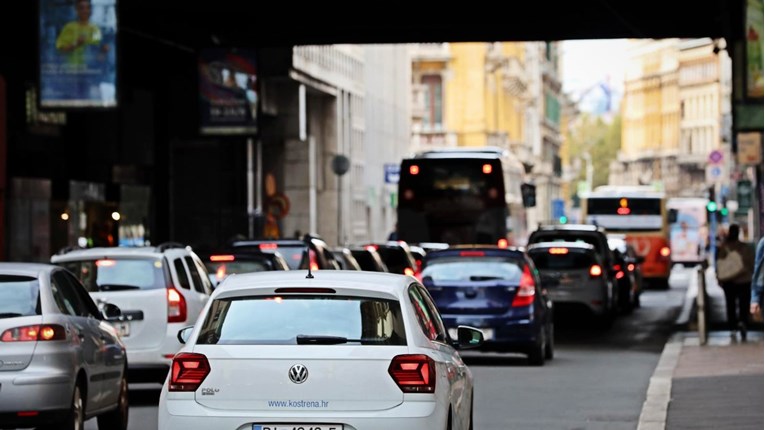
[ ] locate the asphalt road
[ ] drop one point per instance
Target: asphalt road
(597, 380)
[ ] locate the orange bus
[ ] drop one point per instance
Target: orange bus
(641, 214)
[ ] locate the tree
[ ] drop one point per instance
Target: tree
(599, 136)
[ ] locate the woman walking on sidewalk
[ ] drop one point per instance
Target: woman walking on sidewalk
(735, 265)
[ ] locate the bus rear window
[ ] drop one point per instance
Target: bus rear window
(623, 206)
(438, 178)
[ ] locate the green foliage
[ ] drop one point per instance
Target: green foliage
(601, 138)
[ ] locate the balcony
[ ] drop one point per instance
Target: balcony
(438, 52)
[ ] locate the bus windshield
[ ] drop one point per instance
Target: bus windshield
(452, 200)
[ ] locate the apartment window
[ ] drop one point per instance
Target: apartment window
(552, 108)
(433, 119)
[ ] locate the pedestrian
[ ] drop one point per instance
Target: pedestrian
(755, 307)
(734, 268)
(394, 234)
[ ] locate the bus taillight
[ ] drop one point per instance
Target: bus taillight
(502, 243)
(414, 169)
(486, 168)
(664, 251)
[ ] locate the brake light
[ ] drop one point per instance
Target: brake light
(559, 251)
(413, 373)
(596, 271)
(664, 251)
(264, 246)
(176, 306)
(220, 273)
(313, 262)
(623, 211)
(472, 253)
(619, 274)
(486, 168)
(31, 333)
(408, 271)
(524, 295)
(414, 169)
(372, 247)
(502, 243)
(222, 258)
(631, 267)
(305, 290)
(188, 371)
(105, 263)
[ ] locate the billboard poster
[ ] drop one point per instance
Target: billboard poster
(228, 95)
(78, 59)
(754, 56)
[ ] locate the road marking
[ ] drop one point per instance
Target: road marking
(653, 416)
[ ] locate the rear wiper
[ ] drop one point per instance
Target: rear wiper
(117, 287)
(10, 315)
(335, 340)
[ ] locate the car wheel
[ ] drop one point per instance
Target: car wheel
(550, 345)
(536, 355)
(75, 419)
(117, 419)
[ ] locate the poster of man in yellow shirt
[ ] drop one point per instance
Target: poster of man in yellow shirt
(77, 55)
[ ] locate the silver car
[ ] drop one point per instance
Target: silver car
(61, 362)
(574, 273)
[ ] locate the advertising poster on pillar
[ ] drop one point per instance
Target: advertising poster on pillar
(228, 95)
(78, 60)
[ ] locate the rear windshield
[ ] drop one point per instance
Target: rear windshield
(19, 296)
(118, 274)
(570, 237)
(571, 261)
(366, 261)
(474, 269)
(221, 270)
(395, 258)
(275, 320)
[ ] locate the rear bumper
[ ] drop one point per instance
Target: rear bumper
(44, 393)
(189, 415)
(13, 420)
(510, 334)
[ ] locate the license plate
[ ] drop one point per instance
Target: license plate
(122, 327)
(488, 333)
(297, 427)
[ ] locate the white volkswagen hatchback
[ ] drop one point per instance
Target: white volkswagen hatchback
(342, 350)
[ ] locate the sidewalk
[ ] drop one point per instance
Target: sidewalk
(719, 385)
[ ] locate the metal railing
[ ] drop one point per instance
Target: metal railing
(701, 304)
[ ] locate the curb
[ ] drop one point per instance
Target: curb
(653, 416)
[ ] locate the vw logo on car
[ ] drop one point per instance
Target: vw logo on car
(298, 373)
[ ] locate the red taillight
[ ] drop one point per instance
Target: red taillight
(486, 168)
(408, 271)
(559, 251)
(414, 373)
(304, 290)
(222, 258)
(524, 295)
(220, 273)
(31, 333)
(502, 243)
(313, 262)
(631, 267)
(619, 274)
(623, 211)
(472, 253)
(27, 414)
(268, 246)
(372, 247)
(664, 251)
(188, 371)
(596, 271)
(176, 306)
(414, 169)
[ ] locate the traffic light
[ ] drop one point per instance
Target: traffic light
(563, 219)
(712, 206)
(529, 195)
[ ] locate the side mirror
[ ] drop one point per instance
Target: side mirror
(672, 216)
(184, 334)
(110, 312)
(468, 337)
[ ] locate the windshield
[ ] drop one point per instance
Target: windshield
(473, 269)
(281, 320)
(19, 296)
(118, 273)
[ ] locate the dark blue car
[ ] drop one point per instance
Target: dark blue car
(497, 290)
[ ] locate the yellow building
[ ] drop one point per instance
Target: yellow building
(468, 94)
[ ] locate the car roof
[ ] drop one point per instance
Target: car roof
(116, 251)
(457, 249)
(571, 245)
(33, 270)
(374, 281)
(278, 242)
(571, 227)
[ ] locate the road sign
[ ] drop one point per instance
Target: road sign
(392, 173)
(716, 156)
(715, 173)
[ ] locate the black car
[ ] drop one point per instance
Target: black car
(346, 259)
(319, 256)
(629, 275)
(397, 257)
(369, 259)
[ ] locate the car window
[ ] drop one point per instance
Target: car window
(395, 258)
(222, 269)
(425, 317)
(19, 296)
(196, 280)
(82, 294)
(473, 269)
(280, 320)
(116, 274)
(438, 322)
(71, 304)
(570, 261)
(183, 278)
(205, 276)
(600, 244)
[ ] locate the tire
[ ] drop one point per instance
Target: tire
(536, 355)
(75, 419)
(550, 345)
(117, 419)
